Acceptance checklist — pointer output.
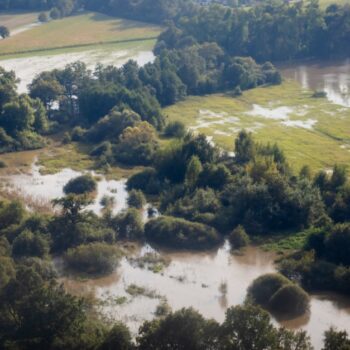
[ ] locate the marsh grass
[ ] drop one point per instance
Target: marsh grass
(319, 147)
(286, 242)
(33, 204)
(136, 291)
(151, 261)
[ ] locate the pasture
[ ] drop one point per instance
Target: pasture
(84, 30)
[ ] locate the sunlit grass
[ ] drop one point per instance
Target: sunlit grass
(15, 19)
(325, 144)
(81, 30)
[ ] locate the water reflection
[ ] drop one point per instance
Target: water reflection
(333, 77)
(193, 279)
(45, 188)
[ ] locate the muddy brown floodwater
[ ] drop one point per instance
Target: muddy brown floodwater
(193, 280)
(44, 188)
(333, 77)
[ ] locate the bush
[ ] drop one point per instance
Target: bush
(93, 258)
(11, 213)
(81, 185)
(104, 149)
(129, 224)
(179, 233)
(183, 329)
(319, 94)
(2, 164)
(30, 244)
(146, 181)
(43, 17)
(55, 13)
(239, 238)
(337, 244)
(279, 295)
(262, 288)
(118, 337)
(78, 134)
(7, 271)
(136, 199)
(290, 300)
(175, 129)
(4, 32)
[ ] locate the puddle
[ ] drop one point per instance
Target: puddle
(305, 124)
(279, 113)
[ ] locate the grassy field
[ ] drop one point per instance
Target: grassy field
(84, 30)
(15, 19)
(310, 130)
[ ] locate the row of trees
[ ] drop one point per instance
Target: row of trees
(267, 31)
(22, 118)
(276, 30)
(61, 8)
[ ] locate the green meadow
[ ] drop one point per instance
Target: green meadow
(81, 31)
(310, 130)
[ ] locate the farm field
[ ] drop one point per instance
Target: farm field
(67, 34)
(312, 131)
(16, 19)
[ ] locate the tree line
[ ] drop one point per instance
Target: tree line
(274, 31)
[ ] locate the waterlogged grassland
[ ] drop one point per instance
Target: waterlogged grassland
(87, 29)
(310, 130)
(131, 48)
(16, 19)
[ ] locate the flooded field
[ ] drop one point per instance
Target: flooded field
(27, 68)
(332, 77)
(209, 281)
(44, 188)
(194, 279)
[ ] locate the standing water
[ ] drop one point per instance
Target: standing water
(332, 77)
(45, 188)
(195, 279)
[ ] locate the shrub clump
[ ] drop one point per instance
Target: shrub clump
(290, 300)
(175, 129)
(81, 185)
(30, 244)
(319, 94)
(239, 238)
(136, 199)
(94, 258)
(180, 233)
(279, 295)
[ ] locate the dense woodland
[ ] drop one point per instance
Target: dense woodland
(274, 31)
